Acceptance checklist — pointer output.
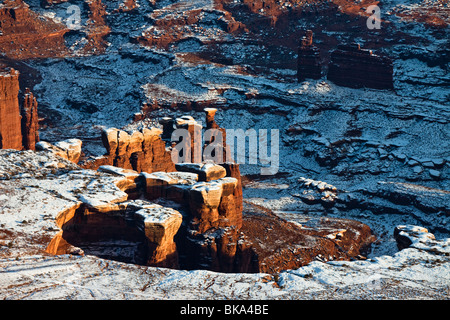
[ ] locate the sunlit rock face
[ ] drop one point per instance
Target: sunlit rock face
(10, 119)
(19, 128)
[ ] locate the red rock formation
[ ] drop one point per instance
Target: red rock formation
(308, 66)
(354, 67)
(208, 238)
(18, 124)
(69, 149)
(30, 125)
(142, 151)
(10, 119)
(141, 233)
(233, 171)
(126, 5)
(25, 34)
(48, 3)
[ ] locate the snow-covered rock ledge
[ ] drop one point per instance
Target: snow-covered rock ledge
(38, 191)
(420, 271)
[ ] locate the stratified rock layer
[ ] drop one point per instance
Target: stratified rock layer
(309, 66)
(352, 66)
(10, 119)
(142, 151)
(19, 128)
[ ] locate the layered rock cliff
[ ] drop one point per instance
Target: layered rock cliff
(352, 66)
(19, 128)
(143, 151)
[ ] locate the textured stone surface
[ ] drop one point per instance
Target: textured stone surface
(354, 67)
(309, 65)
(26, 34)
(141, 150)
(205, 171)
(69, 149)
(10, 118)
(30, 124)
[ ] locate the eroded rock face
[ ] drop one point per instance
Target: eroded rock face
(30, 125)
(140, 232)
(69, 149)
(142, 151)
(150, 149)
(277, 244)
(19, 127)
(161, 225)
(213, 215)
(354, 67)
(25, 34)
(10, 119)
(309, 66)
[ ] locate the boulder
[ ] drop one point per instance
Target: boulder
(406, 235)
(72, 147)
(435, 174)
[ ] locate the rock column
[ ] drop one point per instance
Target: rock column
(10, 118)
(309, 66)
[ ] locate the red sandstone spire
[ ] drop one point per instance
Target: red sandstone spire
(29, 121)
(10, 119)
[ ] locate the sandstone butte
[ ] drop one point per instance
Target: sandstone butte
(352, 66)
